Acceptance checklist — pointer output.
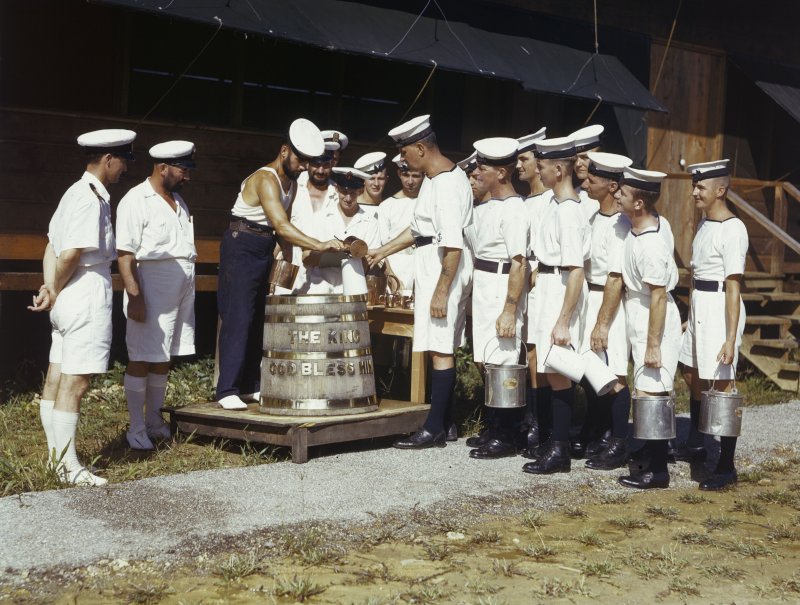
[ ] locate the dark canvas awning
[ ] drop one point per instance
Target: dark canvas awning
(780, 82)
(395, 35)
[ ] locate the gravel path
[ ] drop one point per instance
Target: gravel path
(161, 516)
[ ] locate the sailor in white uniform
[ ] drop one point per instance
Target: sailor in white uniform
(155, 244)
(374, 164)
(336, 141)
(442, 267)
(499, 239)
(713, 335)
(345, 219)
(394, 217)
(605, 331)
(77, 291)
(562, 244)
(586, 139)
(259, 217)
(653, 322)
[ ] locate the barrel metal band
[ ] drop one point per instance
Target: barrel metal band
(314, 319)
(314, 299)
(321, 404)
(317, 354)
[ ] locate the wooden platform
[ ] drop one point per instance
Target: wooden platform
(297, 432)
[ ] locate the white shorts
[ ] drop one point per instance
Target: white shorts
(637, 311)
(619, 350)
(550, 290)
(488, 299)
(441, 335)
(705, 334)
(168, 328)
(81, 320)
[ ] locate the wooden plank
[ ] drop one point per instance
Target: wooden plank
(779, 216)
(774, 343)
(22, 246)
(762, 220)
(299, 436)
(419, 374)
(21, 281)
(793, 191)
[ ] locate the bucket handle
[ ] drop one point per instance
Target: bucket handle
(641, 368)
(497, 347)
(734, 390)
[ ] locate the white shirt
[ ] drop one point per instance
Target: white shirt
(150, 229)
(302, 206)
(719, 249)
(608, 243)
(589, 205)
(83, 220)
(649, 259)
(564, 237)
(394, 217)
(444, 208)
(535, 207)
(499, 229)
(256, 213)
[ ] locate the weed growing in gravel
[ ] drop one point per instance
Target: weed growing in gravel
(298, 589)
(589, 537)
(309, 545)
(692, 537)
(538, 552)
(748, 507)
(682, 586)
(775, 465)
(752, 475)
(426, 595)
(600, 569)
(378, 571)
(146, 593)
(628, 524)
(236, 566)
(553, 587)
(692, 498)
(787, 586)
(504, 567)
(615, 499)
(748, 548)
(490, 600)
(779, 496)
(714, 523)
(485, 537)
(662, 512)
(723, 571)
(574, 512)
(18, 475)
(782, 532)
(481, 587)
(533, 519)
(437, 552)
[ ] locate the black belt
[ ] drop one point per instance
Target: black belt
(241, 224)
(708, 286)
(423, 240)
(491, 266)
(596, 287)
(549, 268)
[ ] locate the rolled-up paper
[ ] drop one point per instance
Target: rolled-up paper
(353, 279)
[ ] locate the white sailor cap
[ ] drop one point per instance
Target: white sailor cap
(411, 131)
(371, 162)
(709, 170)
(646, 180)
(335, 140)
(528, 142)
(608, 165)
(116, 141)
(349, 178)
(400, 162)
(174, 153)
(469, 164)
(554, 149)
(587, 138)
(496, 151)
(305, 139)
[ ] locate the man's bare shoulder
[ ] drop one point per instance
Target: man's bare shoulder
(262, 183)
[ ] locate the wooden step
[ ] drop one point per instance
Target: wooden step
(790, 366)
(782, 296)
(768, 320)
(753, 296)
(793, 319)
(774, 343)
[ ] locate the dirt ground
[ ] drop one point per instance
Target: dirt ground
(669, 546)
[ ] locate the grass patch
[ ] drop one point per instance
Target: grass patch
(146, 593)
(504, 567)
(749, 549)
(589, 537)
(437, 552)
(615, 499)
(555, 588)
(236, 566)
(481, 587)
(310, 546)
(782, 532)
(298, 589)
(628, 524)
(723, 571)
(715, 523)
(599, 569)
(787, 586)
(377, 572)
(485, 537)
(533, 519)
(682, 586)
(749, 507)
(538, 553)
(775, 465)
(779, 496)
(693, 498)
(574, 512)
(662, 512)
(693, 537)
(753, 475)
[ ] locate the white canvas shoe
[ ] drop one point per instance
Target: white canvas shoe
(232, 402)
(84, 478)
(139, 440)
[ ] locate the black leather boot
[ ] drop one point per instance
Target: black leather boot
(647, 480)
(421, 440)
(598, 445)
(496, 448)
(687, 453)
(614, 456)
(482, 438)
(555, 460)
(719, 481)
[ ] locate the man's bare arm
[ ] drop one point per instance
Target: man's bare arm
(655, 326)
(401, 242)
(612, 296)
(130, 281)
(560, 335)
(506, 322)
(450, 260)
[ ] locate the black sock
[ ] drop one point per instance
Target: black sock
(592, 417)
(544, 411)
(562, 413)
(531, 396)
(620, 412)
(506, 419)
(604, 417)
(695, 438)
(442, 384)
(726, 451)
(658, 456)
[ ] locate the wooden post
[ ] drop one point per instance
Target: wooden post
(419, 373)
(779, 217)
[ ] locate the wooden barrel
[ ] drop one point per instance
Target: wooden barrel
(317, 356)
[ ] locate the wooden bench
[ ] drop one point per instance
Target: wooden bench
(30, 247)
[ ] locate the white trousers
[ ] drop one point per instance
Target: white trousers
(619, 351)
(637, 310)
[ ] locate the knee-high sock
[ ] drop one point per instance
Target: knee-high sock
(135, 390)
(695, 438)
(46, 416)
(604, 421)
(65, 425)
(658, 455)
(544, 410)
(620, 412)
(726, 452)
(562, 413)
(156, 392)
(442, 384)
(591, 420)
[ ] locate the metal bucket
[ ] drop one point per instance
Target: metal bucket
(721, 413)
(653, 415)
(505, 384)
